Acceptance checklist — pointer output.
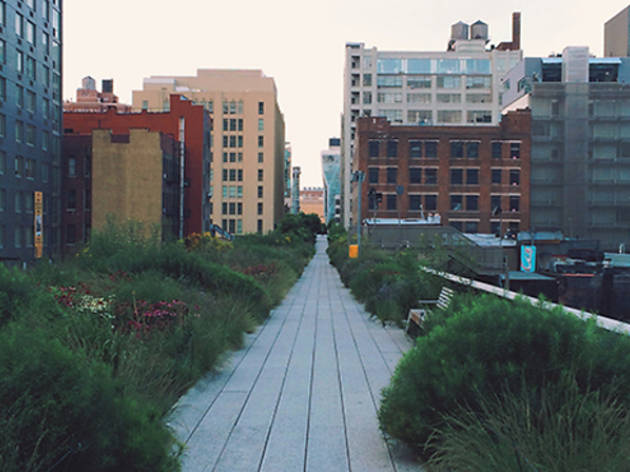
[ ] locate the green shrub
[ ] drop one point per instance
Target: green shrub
(60, 410)
(490, 345)
(558, 427)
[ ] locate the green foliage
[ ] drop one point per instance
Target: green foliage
(491, 345)
(60, 410)
(559, 427)
(131, 323)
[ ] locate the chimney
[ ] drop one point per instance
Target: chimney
(516, 30)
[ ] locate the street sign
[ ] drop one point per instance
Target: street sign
(38, 223)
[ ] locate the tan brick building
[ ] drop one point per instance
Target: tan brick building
(247, 142)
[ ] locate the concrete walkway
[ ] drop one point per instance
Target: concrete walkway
(302, 394)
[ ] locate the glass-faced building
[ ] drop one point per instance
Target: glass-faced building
(331, 161)
(30, 128)
(460, 86)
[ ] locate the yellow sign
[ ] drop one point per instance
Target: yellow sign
(38, 223)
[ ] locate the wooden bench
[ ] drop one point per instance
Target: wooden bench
(417, 315)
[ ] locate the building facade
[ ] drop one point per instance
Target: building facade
(30, 128)
(247, 142)
(312, 201)
(89, 99)
(459, 86)
(617, 35)
(580, 105)
(475, 178)
(117, 178)
(187, 123)
(331, 170)
(288, 158)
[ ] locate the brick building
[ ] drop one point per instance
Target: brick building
(186, 120)
(463, 173)
(90, 99)
(131, 176)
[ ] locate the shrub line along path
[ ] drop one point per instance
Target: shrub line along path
(302, 394)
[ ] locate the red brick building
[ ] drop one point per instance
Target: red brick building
(192, 121)
(463, 173)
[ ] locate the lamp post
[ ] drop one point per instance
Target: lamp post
(358, 176)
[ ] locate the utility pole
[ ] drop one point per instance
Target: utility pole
(358, 176)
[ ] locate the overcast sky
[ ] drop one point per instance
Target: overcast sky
(300, 44)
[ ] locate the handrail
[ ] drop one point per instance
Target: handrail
(601, 321)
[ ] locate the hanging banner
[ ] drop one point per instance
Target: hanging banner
(528, 259)
(38, 223)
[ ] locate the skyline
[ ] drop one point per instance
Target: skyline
(308, 71)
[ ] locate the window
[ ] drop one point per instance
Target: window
(29, 169)
(389, 66)
(261, 141)
(3, 199)
(367, 80)
(430, 202)
(515, 177)
(260, 191)
(17, 201)
(457, 149)
(389, 97)
(260, 157)
(496, 176)
(495, 204)
(515, 203)
(472, 202)
(415, 175)
(449, 98)
(471, 227)
(457, 176)
(261, 124)
(240, 124)
(259, 226)
(260, 208)
(447, 82)
(496, 150)
(3, 20)
(477, 66)
(232, 175)
(17, 233)
(392, 175)
(472, 176)
(224, 208)
(19, 166)
(430, 176)
(472, 150)
(419, 98)
(239, 175)
(71, 203)
(71, 234)
(415, 148)
(373, 148)
(31, 100)
(45, 140)
(3, 162)
(456, 202)
(20, 61)
(46, 42)
(449, 116)
(515, 150)
(415, 202)
(430, 149)
(260, 175)
(225, 125)
(478, 82)
(46, 77)
(232, 208)
(389, 81)
(479, 116)
(30, 32)
(373, 175)
(392, 148)
(393, 116)
(261, 108)
(367, 98)
(72, 167)
(19, 24)
(418, 82)
(239, 208)
(45, 168)
(3, 89)
(418, 66)
(3, 50)
(19, 131)
(19, 96)
(30, 135)
(391, 201)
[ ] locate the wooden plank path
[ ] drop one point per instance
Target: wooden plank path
(302, 394)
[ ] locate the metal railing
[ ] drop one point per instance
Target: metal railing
(601, 321)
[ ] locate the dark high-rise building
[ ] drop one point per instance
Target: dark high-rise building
(30, 128)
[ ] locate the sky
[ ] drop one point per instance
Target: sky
(299, 43)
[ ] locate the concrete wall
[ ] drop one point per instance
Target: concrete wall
(616, 40)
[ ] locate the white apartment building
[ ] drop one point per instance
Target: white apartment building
(460, 86)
